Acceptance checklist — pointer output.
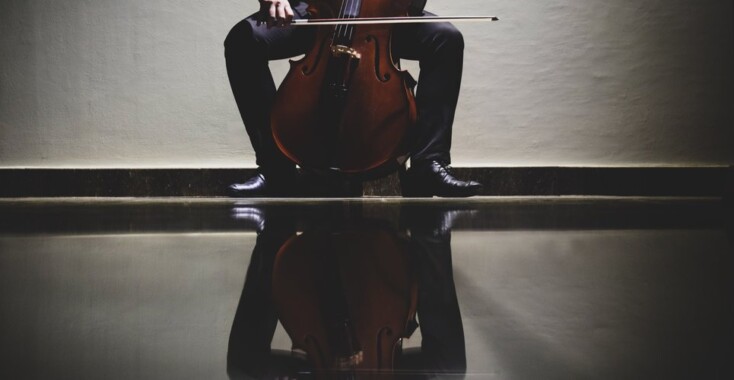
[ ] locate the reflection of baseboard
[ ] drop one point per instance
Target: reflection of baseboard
(86, 216)
(509, 181)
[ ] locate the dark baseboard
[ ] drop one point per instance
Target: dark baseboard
(509, 181)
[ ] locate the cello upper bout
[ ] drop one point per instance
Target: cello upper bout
(313, 57)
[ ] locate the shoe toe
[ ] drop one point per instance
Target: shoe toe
(254, 187)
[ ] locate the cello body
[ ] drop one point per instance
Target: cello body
(346, 299)
(346, 106)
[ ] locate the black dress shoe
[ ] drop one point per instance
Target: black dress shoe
(434, 178)
(261, 186)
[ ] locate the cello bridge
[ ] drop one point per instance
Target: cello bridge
(341, 50)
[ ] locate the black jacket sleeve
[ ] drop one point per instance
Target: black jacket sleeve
(416, 8)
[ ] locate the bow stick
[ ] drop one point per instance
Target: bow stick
(390, 20)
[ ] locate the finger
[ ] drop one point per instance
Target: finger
(272, 13)
(273, 10)
(288, 13)
(281, 13)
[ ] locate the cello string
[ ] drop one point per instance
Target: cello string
(339, 27)
(353, 13)
(348, 15)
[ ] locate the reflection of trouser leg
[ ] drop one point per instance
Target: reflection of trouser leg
(443, 347)
(255, 320)
(440, 49)
(248, 49)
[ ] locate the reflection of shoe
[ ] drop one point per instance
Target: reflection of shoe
(433, 178)
(436, 221)
(446, 221)
(265, 186)
(251, 215)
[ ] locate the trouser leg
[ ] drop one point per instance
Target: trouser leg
(439, 48)
(248, 49)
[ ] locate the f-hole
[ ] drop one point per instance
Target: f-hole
(309, 70)
(382, 78)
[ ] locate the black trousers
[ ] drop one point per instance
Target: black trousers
(438, 47)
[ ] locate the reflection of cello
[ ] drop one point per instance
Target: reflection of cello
(373, 250)
(346, 299)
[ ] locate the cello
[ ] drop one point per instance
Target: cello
(347, 107)
(347, 299)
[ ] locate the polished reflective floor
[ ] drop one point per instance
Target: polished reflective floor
(498, 288)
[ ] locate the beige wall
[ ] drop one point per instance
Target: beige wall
(141, 83)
